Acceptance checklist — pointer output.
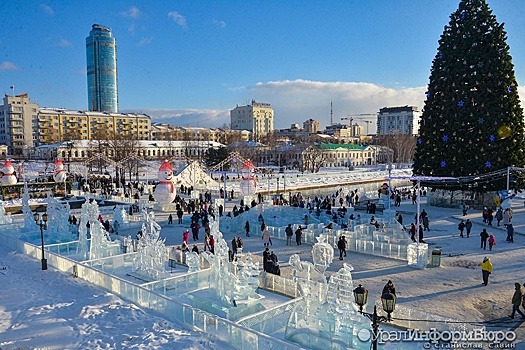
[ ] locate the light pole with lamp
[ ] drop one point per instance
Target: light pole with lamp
(41, 221)
(390, 161)
(389, 303)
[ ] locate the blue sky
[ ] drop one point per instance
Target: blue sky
(190, 62)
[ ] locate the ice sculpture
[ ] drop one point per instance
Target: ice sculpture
(58, 226)
(233, 283)
(326, 317)
(247, 280)
(83, 244)
(128, 244)
(193, 262)
(29, 221)
(6, 218)
(101, 246)
(341, 303)
(120, 215)
(152, 254)
(417, 255)
(221, 275)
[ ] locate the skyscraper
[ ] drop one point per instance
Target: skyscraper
(101, 53)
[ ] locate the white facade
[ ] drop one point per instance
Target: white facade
(398, 120)
(18, 121)
(84, 149)
(257, 118)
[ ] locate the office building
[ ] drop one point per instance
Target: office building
(256, 117)
(18, 124)
(398, 120)
(101, 54)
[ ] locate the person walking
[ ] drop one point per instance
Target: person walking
(170, 219)
(298, 235)
(507, 216)
(266, 237)
(426, 223)
(468, 227)
(247, 228)
(234, 245)
(412, 232)
(195, 227)
(492, 242)
(484, 235)
(517, 298)
(486, 270)
(289, 234)
(180, 214)
(212, 244)
(185, 236)
(341, 245)
(510, 233)
(499, 215)
(461, 227)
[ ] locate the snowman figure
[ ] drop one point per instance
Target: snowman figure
(165, 190)
(59, 174)
(9, 177)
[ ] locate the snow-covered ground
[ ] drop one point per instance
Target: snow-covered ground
(52, 310)
(47, 309)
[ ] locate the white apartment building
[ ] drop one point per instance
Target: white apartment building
(18, 124)
(398, 120)
(256, 117)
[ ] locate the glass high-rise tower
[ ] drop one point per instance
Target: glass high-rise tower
(101, 52)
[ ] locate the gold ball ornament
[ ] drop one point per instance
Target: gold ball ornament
(504, 131)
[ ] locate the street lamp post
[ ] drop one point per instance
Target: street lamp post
(41, 221)
(389, 303)
(390, 161)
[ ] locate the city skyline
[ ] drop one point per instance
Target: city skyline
(190, 64)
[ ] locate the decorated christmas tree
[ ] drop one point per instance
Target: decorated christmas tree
(472, 123)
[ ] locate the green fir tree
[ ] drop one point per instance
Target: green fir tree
(472, 123)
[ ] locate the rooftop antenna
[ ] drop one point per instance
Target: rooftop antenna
(331, 113)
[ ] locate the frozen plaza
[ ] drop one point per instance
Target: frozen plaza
(308, 306)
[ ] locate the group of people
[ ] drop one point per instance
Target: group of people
(270, 262)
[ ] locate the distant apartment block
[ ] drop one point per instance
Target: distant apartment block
(58, 124)
(256, 117)
(168, 132)
(398, 120)
(18, 124)
(311, 126)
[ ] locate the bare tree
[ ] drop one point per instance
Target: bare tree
(312, 159)
(403, 145)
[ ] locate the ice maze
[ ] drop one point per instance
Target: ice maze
(235, 301)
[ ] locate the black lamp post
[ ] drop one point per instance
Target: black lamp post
(41, 222)
(69, 148)
(389, 303)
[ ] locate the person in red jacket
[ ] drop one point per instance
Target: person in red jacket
(492, 241)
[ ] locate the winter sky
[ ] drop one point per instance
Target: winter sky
(190, 62)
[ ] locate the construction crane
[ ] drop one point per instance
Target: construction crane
(351, 117)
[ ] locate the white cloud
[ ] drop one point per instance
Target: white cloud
(219, 23)
(178, 18)
(144, 41)
(133, 12)
(6, 65)
(298, 100)
(47, 9)
(63, 43)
